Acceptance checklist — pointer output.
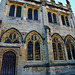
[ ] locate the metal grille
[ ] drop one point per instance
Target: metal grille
(8, 64)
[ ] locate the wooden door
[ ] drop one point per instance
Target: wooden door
(8, 64)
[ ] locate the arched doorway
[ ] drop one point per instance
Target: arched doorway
(8, 64)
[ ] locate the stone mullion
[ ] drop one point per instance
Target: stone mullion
(60, 21)
(65, 53)
(15, 11)
(32, 14)
(33, 50)
(57, 18)
(22, 11)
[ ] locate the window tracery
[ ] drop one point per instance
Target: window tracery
(70, 47)
(11, 36)
(35, 48)
(57, 47)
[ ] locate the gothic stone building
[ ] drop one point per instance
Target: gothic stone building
(37, 37)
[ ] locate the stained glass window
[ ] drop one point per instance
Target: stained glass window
(55, 51)
(37, 51)
(30, 51)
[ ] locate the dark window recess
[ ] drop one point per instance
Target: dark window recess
(30, 51)
(16, 41)
(67, 22)
(63, 20)
(10, 36)
(54, 18)
(32, 38)
(12, 11)
(7, 41)
(14, 36)
(30, 14)
(55, 52)
(73, 51)
(49, 17)
(68, 51)
(35, 15)
(18, 13)
(37, 51)
(8, 64)
(60, 52)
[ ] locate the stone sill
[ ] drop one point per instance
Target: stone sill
(49, 65)
(10, 45)
(22, 19)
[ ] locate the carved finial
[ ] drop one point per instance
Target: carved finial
(52, 1)
(43, 2)
(68, 4)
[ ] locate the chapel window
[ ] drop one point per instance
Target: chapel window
(35, 15)
(67, 22)
(73, 51)
(18, 12)
(63, 20)
(49, 17)
(12, 39)
(12, 11)
(30, 13)
(60, 52)
(30, 51)
(68, 51)
(37, 51)
(33, 49)
(54, 18)
(57, 49)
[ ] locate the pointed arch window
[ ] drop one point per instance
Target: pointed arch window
(57, 49)
(35, 15)
(37, 51)
(49, 17)
(54, 18)
(12, 11)
(33, 48)
(18, 12)
(30, 13)
(63, 19)
(30, 51)
(12, 39)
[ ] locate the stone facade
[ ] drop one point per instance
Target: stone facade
(46, 33)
